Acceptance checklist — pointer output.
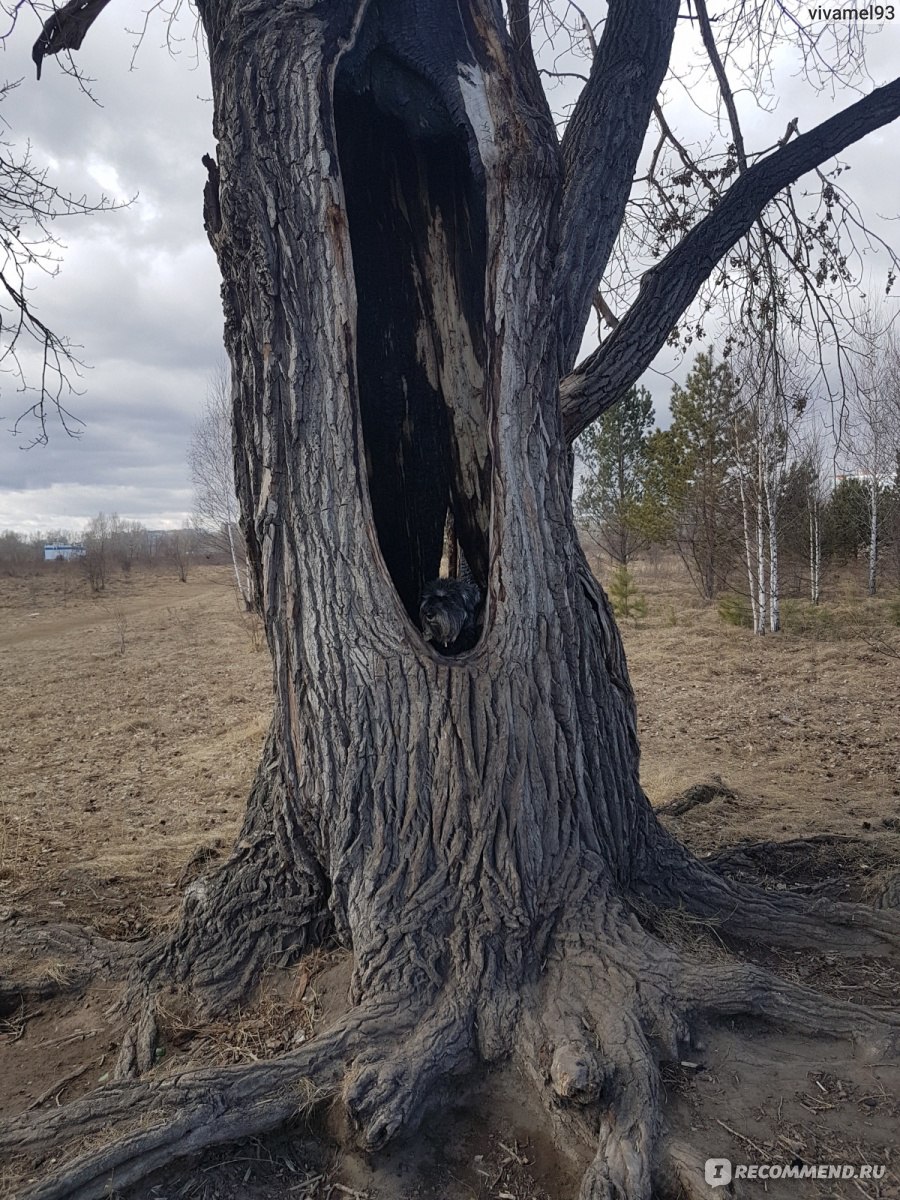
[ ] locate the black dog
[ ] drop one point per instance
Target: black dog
(449, 614)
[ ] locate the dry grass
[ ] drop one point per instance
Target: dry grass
(808, 726)
(283, 1013)
(129, 726)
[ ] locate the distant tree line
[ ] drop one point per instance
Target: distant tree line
(108, 544)
(747, 485)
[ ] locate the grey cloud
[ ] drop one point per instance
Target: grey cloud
(138, 288)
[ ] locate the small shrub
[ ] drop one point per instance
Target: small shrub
(816, 620)
(735, 610)
(626, 599)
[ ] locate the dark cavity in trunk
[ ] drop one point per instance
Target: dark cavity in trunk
(415, 199)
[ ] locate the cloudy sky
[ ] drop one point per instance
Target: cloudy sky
(138, 288)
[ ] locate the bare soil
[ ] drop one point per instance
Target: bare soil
(130, 726)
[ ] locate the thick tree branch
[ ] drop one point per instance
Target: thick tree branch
(600, 150)
(519, 20)
(667, 289)
(66, 28)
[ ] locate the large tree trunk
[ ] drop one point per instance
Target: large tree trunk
(386, 213)
(389, 320)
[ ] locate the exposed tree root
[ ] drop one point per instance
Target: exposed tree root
(262, 907)
(696, 794)
(609, 1003)
(156, 1122)
(391, 1087)
(889, 896)
(681, 1172)
(631, 1123)
(740, 989)
(44, 960)
(613, 1003)
(138, 1048)
(672, 878)
(251, 914)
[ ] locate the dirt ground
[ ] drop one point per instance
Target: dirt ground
(130, 725)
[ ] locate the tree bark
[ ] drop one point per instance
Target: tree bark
(872, 582)
(772, 518)
(815, 548)
(489, 786)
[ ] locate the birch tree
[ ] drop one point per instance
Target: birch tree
(409, 252)
(872, 434)
(770, 401)
(211, 462)
(812, 464)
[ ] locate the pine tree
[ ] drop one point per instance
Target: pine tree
(688, 486)
(627, 601)
(613, 452)
(847, 520)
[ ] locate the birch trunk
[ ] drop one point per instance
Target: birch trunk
(815, 551)
(745, 519)
(762, 594)
(748, 552)
(242, 591)
(873, 535)
(772, 518)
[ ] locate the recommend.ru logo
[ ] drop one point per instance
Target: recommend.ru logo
(717, 1172)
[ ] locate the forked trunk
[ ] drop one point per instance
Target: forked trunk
(389, 322)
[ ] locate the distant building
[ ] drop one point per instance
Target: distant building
(62, 553)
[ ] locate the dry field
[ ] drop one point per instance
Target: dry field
(130, 725)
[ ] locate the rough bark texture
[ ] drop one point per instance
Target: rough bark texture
(386, 205)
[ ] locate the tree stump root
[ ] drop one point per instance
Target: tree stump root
(610, 1003)
(251, 914)
(673, 878)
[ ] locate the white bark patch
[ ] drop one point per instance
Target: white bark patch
(474, 97)
(461, 374)
(425, 352)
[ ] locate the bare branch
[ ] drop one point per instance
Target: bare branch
(669, 288)
(600, 149)
(30, 206)
(727, 94)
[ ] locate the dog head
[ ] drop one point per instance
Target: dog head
(447, 608)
